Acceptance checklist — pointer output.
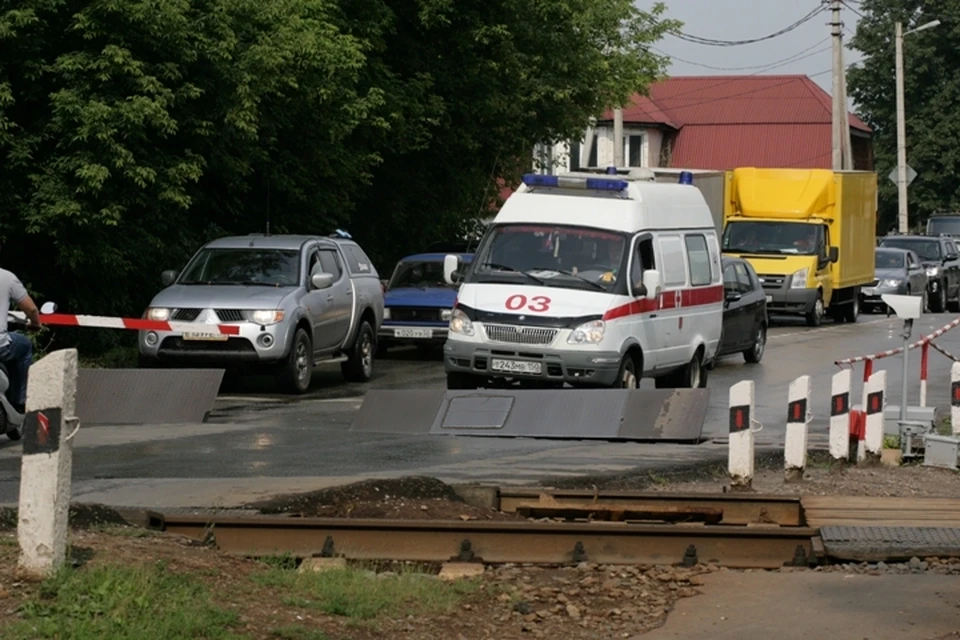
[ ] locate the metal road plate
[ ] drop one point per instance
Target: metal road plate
(409, 411)
(665, 414)
(872, 544)
(476, 412)
(146, 396)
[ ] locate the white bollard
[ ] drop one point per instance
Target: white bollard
(798, 418)
(740, 462)
(47, 463)
(876, 389)
(840, 415)
(955, 398)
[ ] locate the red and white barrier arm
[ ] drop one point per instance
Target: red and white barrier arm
(136, 324)
(892, 352)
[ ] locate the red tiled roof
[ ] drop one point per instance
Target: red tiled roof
(757, 99)
(642, 110)
(802, 146)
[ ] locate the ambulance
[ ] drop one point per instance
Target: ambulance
(591, 280)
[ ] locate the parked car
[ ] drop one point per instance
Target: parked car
(298, 300)
(745, 318)
(418, 302)
(941, 260)
(898, 271)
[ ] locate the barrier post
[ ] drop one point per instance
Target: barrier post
(47, 463)
(740, 455)
(840, 415)
(924, 357)
(798, 418)
(876, 391)
(867, 372)
(955, 398)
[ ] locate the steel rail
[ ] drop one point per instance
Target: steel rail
(765, 547)
(736, 509)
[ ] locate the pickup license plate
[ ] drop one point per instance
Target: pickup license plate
(413, 333)
(516, 366)
(208, 337)
(769, 298)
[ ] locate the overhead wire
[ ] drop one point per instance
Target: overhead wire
(734, 43)
(768, 65)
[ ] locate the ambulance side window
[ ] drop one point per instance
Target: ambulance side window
(698, 259)
(674, 264)
(643, 260)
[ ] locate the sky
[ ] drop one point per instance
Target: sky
(805, 50)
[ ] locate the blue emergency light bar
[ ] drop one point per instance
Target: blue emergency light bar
(594, 184)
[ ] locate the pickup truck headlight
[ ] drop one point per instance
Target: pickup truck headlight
(799, 279)
(158, 314)
(933, 272)
(265, 316)
(460, 323)
(588, 333)
(446, 314)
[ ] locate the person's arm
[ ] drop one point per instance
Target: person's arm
(19, 294)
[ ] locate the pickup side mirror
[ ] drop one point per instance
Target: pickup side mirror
(651, 284)
(321, 280)
(168, 277)
(834, 254)
(48, 308)
(450, 265)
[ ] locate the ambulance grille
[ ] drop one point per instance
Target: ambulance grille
(520, 335)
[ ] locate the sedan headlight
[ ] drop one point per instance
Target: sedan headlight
(265, 316)
(158, 314)
(460, 323)
(933, 271)
(588, 333)
(890, 283)
(799, 279)
(446, 314)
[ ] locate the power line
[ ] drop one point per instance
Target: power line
(847, 4)
(769, 65)
(733, 43)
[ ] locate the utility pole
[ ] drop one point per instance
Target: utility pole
(847, 142)
(838, 106)
(902, 225)
(618, 138)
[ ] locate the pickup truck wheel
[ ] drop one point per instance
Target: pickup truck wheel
(815, 317)
(359, 367)
(938, 304)
(298, 368)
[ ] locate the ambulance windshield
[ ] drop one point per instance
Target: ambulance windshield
(552, 255)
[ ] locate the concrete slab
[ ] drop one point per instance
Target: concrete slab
(808, 604)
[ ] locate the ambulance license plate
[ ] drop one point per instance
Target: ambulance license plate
(516, 366)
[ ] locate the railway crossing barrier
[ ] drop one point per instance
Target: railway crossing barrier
(798, 421)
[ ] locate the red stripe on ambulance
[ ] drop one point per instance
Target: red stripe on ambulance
(668, 300)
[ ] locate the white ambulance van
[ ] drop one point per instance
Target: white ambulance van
(594, 280)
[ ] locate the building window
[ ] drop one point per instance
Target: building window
(633, 150)
(575, 147)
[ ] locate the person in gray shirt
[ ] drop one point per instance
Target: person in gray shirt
(16, 350)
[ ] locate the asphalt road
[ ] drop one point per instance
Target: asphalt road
(259, 443)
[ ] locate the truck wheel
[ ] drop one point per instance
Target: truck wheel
(359, 367)
(815, 317)
(852, 311)
(462, 381)
(298, 367)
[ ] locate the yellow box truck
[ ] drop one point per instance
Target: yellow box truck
(809, 233)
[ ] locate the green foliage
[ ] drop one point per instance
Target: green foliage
(120, 603)
(931, 93)
(132, 131)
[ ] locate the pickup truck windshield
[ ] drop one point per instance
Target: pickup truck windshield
(571, 257)
(267, 267)
(949, 225)
(927, 249)
(419, 274)
(791, 238)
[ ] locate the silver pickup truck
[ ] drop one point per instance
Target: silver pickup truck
(298, 301)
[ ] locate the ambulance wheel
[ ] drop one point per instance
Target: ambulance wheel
(691, 376)
(627, 377)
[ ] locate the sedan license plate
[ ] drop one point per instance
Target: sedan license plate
(516, 366)
(413, 333)
(209, 337)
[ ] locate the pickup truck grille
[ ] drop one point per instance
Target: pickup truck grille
(186, 315)
(772, 281)
(415, 314)
(230, 315)
(520, 335)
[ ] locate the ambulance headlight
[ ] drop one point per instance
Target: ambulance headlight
(588, 333)
(460, 323)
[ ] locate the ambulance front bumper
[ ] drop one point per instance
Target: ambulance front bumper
(572, 366)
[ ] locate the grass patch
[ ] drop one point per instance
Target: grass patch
(359, 594)
(115, 358)
(297, 632)
(122, 603)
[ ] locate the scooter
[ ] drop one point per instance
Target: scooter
(11, 420)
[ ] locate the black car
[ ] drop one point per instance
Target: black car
(940, 257)
(744, 311)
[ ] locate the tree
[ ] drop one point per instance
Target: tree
(931, 96)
